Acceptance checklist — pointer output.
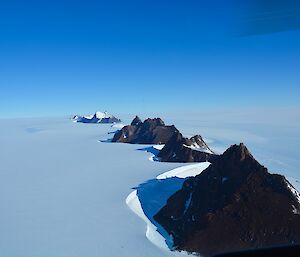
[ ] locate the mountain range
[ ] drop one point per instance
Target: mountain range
(98, 117)
(176, 147)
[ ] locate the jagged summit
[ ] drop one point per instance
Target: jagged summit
(154, 122)
(151, 131)
(197, 140)
(234, 204)
(239, 152)
(177, 137)
(236, 161)
(197, 143)
(136, 121)
(181, 149)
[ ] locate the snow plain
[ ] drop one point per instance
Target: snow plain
(63, 193)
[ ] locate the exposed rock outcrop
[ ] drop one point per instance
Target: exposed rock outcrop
(234, 204)
(136, 121)
(181, 149)
(151, 131)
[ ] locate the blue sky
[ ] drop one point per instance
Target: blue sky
(62, 57)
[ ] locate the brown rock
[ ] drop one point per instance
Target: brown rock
(235, 204)
(181, 149)
(151, 131)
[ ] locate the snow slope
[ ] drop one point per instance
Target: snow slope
(185, 171)
(151, 196)
(62, 193)
(196, 147)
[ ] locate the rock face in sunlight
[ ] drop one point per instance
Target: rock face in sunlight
(151, 131)
(98, 117)
(234, 204)
(181, 149)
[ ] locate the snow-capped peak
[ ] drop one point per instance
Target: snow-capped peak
(98, 117)
(198, 144)
(101, 115)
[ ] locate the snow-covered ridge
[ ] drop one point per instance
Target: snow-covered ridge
(199, 148)
(198, 144)
(293, 190)
(98, 117)
(191, 170)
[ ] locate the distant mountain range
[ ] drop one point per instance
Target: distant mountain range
(177, 148)
(234, 204)
(98, 117)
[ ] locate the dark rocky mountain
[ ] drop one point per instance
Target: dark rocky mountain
(136, 121)
(181, 149)
(151, 131)
(235, 204)
(98, 117)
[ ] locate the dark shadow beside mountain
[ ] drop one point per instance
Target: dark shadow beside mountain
(152, 150)
(153, 195)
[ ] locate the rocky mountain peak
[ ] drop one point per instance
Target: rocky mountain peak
(154, 122)
(196, 139)
(238, 152)
(232, 205)
(236, 162)
(177, 137)
(136, 121)
(182, 149)
(151, 131)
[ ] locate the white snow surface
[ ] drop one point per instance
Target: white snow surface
(134, 203)
(99, 116)
(294, 191)
(199, 148)
(62, 193)
(117, 125)
(153, 236)
(158, 147)
(185, 171)
(88, 116)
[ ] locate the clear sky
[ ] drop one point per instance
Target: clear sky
(63, 57)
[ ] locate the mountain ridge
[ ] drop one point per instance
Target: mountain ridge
(224, 208)
(98, 117)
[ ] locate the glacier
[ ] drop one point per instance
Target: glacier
(63, 191)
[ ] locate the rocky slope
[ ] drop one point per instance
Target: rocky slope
(234, 204)
(181, 149)
(151, 131)
(98, 117)
(136, 121)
